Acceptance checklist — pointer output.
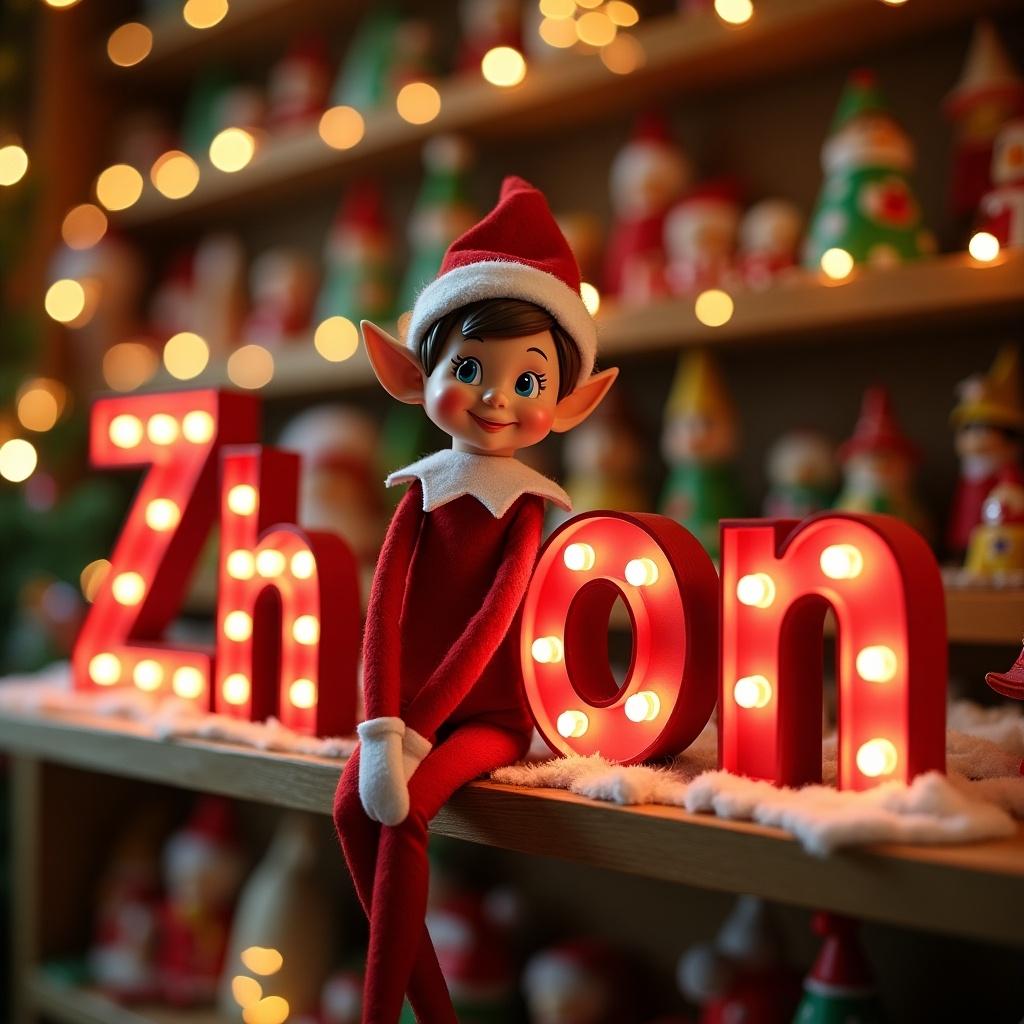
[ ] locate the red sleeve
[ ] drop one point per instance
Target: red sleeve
(381, 642)
(464, 663)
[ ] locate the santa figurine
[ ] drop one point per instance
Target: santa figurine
(578, 982)
(699, 441)
(866, 206)
(700, 238)
(499, 350)
(282, 283)
(298, 85)
(769, 242)
(989, 424)
(988, 93)
(878, 464)
(647, 176)
(995, 553)
(1001, 212)
(218, 299)
(202, 869)
(486, 24)
(802, 475)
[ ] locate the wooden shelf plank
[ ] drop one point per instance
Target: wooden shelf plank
(74, 1005)
(976, 615)
(982, 884)
(690, 53)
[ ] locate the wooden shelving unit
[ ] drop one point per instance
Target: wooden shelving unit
(83, 1006)
(982, 884)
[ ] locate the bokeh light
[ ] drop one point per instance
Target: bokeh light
(119, 187)
(734, 12)
(65, 300)
(595, 28)
(128, 365)
(204, 13)
(175, 174)
(558, 32)
(503, 66)
(186, 355)
(18, 460)
(232, 149)
(250, 366)
(40, 403)
(342, 127)
(336, 339)
(13, 164)
(713, 307)
(130, 44)
(623, 55)
(84, 226)
(418, 102)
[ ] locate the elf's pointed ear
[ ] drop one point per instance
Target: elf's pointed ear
(580, 403)
(397, 369)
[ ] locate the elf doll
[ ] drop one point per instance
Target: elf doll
(499, 351)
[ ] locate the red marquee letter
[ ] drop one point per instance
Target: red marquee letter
(179, 436)
(670, 589)
(303, 666)
(881, 580)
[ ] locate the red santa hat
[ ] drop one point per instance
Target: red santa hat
(516, 252)
(877, 429)
(841, 966)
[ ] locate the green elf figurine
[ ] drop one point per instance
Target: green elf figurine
(866, 206)
(699, 442)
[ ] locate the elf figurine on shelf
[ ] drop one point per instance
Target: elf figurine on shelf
(499, 350)
(1001, 212)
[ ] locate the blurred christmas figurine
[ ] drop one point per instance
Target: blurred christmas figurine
(1001, 213)
(577, 982)
(283, 285)
(995, 553)
(866, 206)
(298, 85)
(839, 989)
(486, 24)
(989, 423)
(699, 442)
(700, 236)
(769, 242)
(802, 475)
(878, 464)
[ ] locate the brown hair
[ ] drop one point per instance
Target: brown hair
(503, 318)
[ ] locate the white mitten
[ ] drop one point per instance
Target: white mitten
(383, 790)
(414, 748)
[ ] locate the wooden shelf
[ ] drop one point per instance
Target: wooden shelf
(980, 616)
(84, 1006)
(692, 53)
(981, 884)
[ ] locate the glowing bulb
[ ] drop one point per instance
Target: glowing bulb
(128, 588)
(983, 246)
(175, 174)
(65, 300)
(623, 55)
(595, 28)
(756, 590)
(734, 12)
(262, 960)
(128, 365)
(251, 367)
(197, 426)
(644, 706)
(129, 44)
(61, 5)
(841, 562)
(38, 409)
(572, 724)
(270, 563)
(232, 149)
(18, 460)
(503, 66)
(714, 308)
(246, 990)
(186, 355)
(119, 187)
(148, 675)
(105, 669)
(306, 629)
(84, 226)
(579, 557)
(269, 1010)
(558, 32)
(622, 14)
(236, 688)
(238, 626)
(125, 431)
(303, 565)
(162, 429)
(204, 13)
(836, 264)
(13, 164)
(162, 514)
(418, 102)
(876, 664)
(92, 577)
(241, 565)
(641, 572)
(547, 650)
(557, 8)
(342, 127)
(188, 682)
(877, 757)
(336, 339)
(242, 499)
(591, 297)
(752, 692)
(302, 693)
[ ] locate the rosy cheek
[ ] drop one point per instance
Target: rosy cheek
(537, 418)
(452, 400)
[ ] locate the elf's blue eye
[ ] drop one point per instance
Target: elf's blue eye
(528, 385)
(468, 370)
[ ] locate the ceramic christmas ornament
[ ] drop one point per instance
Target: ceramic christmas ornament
(577, 982)
(802, 475)
(298, 85)
(989, 424)
(700, 238)
(443, 211)
(498, 350)
(699, 442)
(172, 305)
(359, 259)
(218, 292)
(867, 206)
(878, 464)
(839, 988)
(769, 242)
(282, 288)
(202, 870)
(995, 552)
(647, 176)
(486, 24)
(1001, 212)
(989, 92)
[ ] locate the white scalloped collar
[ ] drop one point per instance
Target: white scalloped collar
(496, 481)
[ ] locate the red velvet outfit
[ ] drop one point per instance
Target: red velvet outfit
(441, 651)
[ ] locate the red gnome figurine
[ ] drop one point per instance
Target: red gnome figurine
(499, 351)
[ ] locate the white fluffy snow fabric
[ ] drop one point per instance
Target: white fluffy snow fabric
(383, 790)
(414, 748)
(504, 279)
